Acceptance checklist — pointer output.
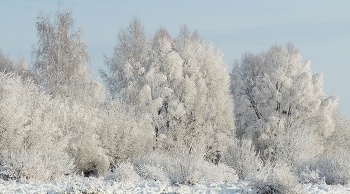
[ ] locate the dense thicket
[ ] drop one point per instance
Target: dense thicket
(170, 112)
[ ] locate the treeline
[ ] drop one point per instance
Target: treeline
(169, 111)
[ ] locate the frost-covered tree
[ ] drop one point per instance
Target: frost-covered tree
(59, 59)
(7, 65)
(205, 93)
(279, 103)
(163, 77)
(339, 141)
(127, 65)
(180, 85)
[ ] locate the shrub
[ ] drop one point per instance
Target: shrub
(334, 168)
(242, 157)
(119, 132)
(151, 172)
(180, 168)
(275, 179)
(35, 165)
(183, 168)
(32, 144)
(308, 173)
(215, 173)
(88, 157)
(123, 172)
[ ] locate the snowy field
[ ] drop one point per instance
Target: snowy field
(94, 185)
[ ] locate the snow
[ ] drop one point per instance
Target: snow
(313, 189)
(92, 185)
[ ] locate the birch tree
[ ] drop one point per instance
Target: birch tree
(59, 59)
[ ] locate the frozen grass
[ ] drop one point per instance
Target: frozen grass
(95, 185)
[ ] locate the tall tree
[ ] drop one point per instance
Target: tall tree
(279, 103)
(59, 59)
(180, 85)
(205, 93)
(127, 64)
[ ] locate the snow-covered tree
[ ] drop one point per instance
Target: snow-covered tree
(205, 93)
(339, 141)
(7, 65)
(180, 86)
(279, 103)
(127, 65)
(163, 78)
(59, 59)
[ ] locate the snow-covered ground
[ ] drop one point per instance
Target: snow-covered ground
(94, 185)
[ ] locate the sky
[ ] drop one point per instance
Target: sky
(318, 28)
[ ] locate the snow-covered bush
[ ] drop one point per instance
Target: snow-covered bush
(297, 146)
(34, 165)
(276, 179)
(215, 173)
(334, 168)
(329, 168)
(151, 172)
(89, 158)
(333, 165)
(28, 127)
(124, 134)
(308, 173)
(59, 61)
(22, 165)
(123, 172)
(183, 168)
(180, 168)
(242, 157)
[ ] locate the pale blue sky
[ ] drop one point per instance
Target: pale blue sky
(320, 29)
